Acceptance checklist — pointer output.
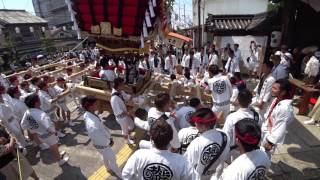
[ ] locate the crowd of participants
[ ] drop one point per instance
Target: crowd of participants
(233, 139)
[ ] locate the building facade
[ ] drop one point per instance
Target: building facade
(54, 11)
(223, 7)
(21, 34)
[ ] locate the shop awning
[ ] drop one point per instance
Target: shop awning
(179, 36)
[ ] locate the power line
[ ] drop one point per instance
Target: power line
(4, 7)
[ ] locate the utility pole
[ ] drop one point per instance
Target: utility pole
(184, 13)
(199, 25)
(179, 12)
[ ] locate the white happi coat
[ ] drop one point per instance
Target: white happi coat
(151, 61)
(205, 59)
(37, 121)
(143, 64)
(98, 133)
(24, 94)
(213, 59)
(118, 105)
(167, 64)
(7, 100)
(233, 99)
(183, 115)
(157, 164)
(221, 88)
(58, 90)
(201, 150)
(19, 108)
(234, 65)
(195, 64)
(233, 118)
(8, 118)
(265, 93)
(237, 54)
(108, 75)
(186, 136)
(281, 116)
(3, 81)
(280, 72)
(312, 67)
(153, 115)
(251, 165)
(46, 102)
(183, 60)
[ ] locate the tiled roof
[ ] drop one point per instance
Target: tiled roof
(228, 22)
(19, 17)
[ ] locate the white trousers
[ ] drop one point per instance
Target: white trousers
(126, 124)
(109, 160)
(225, 109)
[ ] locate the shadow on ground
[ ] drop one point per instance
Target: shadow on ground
(70, 172)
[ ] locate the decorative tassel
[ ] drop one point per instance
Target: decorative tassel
(152, 14)
(148, 20)
(141, 41)
(145, 31)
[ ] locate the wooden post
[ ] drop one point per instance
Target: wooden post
(199, 25)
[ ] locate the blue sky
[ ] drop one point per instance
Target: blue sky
(188, 7)
(17, 4)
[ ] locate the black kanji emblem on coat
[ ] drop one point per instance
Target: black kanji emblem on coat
(157, 171)
(209, 153)
(258, 174)
(219, 87)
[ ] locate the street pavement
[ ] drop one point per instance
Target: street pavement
(297, 159)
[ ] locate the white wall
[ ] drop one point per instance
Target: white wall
(222, 7)
(244, 46)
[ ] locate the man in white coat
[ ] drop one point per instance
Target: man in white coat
(99, 134)
(213, 57)
(193, 63)
(253, 163)
(11, 122)
(162, 110)
(4, 81)
(221, 89)
(158, 162)
(183, 114)
(207, 152)
(187, 135)
(237, 52)
(233, 64)
(119, 108)
(245, 112)
(203, 58)
(48, 105)
(262, 91)
(19, 107)
(170, 63)
(39, 123)
(279, 70)
(278, 116)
